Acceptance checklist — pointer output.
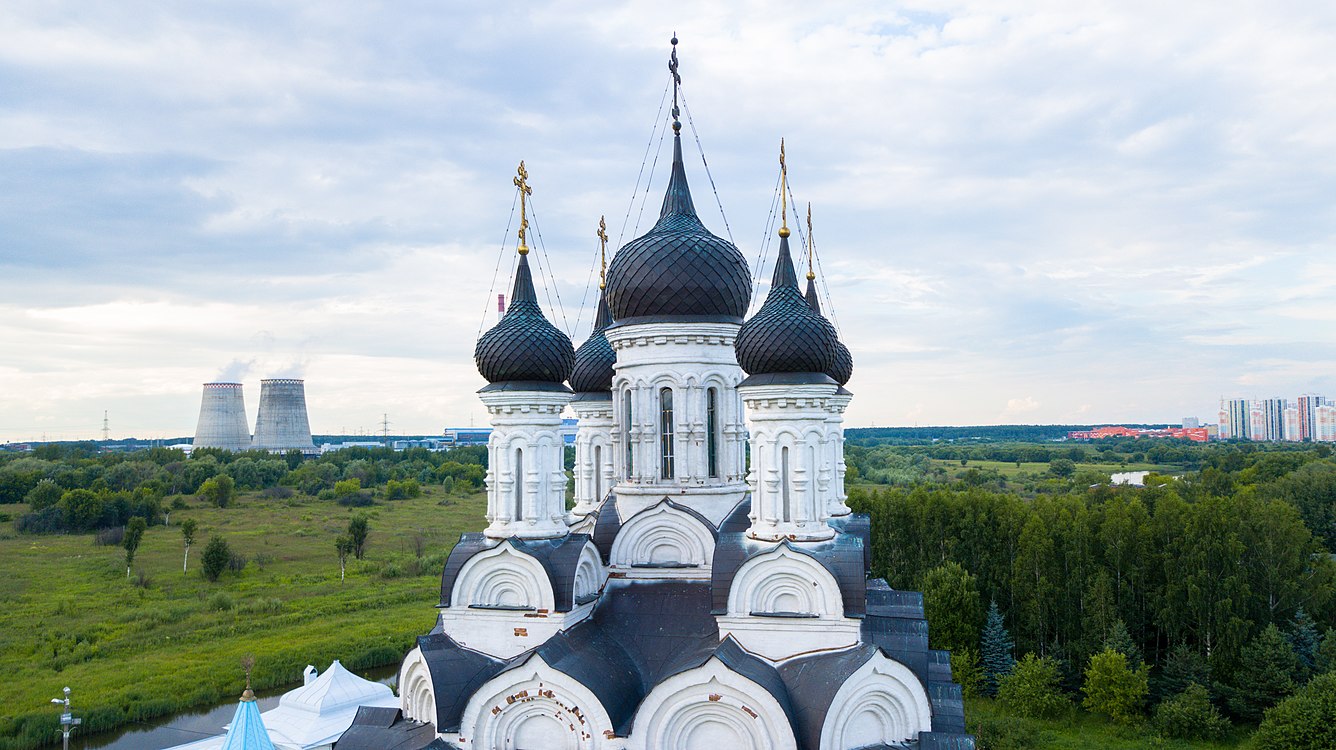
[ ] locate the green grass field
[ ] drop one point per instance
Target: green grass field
(70, 616)
(997, 730)
(1010, 471)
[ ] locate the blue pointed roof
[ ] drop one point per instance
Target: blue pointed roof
(247, 730)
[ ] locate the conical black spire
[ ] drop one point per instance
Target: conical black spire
(595, 358)
(812, 300)
(842, 369)
(678, 198)
(785, 335)
(524, 346)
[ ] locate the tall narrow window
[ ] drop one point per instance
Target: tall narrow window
(712, 430)
(598, 473)
(666, 433)
(784, 499)
(626, 433)
(519, 484)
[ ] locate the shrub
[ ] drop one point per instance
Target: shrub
(179, 503)
(278, 492)
(218, 490)
(1113, 688)
(346, 487)
(221, 602)
(46, 521)
(236, 562)
(1031, 690)
(1190, 716)
(216, 557)
(402, 490)
(966, 672)
(357, 500)
(1304, 721)
(45, 495)
(111, 537)
(1003, 733)
(325, 495)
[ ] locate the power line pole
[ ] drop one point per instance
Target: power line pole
(385, 428)
(106, 427)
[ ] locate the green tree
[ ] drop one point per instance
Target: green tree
(134, 533)
(965, 670)
(1182, 667)
(997, 659)
(188, 528)
(1033, 689)
(81, 509)
(346, 487)
(1120, 640)
(1304, 721)
(1264, 676)
(1305, 641)
(343, 545)
(1326, 653)
(357, 533)
(1061, 467)
(1190, 715)
(216, 557)
(1113, 688)
(45, 494)
(218, 490)
(951, 604)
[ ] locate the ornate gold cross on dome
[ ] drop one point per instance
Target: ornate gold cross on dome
(783, 193)
(522, 182)
(602, 235)
(810, 274)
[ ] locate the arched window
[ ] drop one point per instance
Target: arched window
(666, 433)
(785, 500)
(519, 484)
(626, 432)
(598, 473)
(712, 430)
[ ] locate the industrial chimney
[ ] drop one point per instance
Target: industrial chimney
(282, 425)
(222, 418)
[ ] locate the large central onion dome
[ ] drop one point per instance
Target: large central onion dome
(678, 270)
(524, 346)
(842, 369)
(785, 335)
(595, 358)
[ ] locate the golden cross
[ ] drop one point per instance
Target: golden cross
(602, 252)
(810, 274)
(522, 182)
(783, 193)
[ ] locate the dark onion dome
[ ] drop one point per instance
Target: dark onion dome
(785, 335)
(678, 270)
(595, 357)
(843, 369)
(524, 346)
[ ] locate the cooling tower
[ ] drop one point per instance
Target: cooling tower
(282, 425)
(222, 418)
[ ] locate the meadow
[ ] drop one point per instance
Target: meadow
(164, 640)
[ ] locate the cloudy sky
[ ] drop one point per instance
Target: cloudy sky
(1025, 212)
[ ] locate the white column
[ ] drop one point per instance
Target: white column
(837, 499)
(793, 418)
(594, 447)
(529, 422)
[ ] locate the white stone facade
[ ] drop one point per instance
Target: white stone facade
(526, 472)
(794, 483)
(593, 454)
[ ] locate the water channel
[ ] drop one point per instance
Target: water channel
(195, 724)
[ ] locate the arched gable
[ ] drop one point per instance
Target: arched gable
(534, 705)
(664, 536)
(785, 582)
(711, 706)
(883, 702)
(503, 578)
(417, 697)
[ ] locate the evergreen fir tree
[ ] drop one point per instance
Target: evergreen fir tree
(998, 661)
(1120, 640)
(1305, 641)
(1326, 653)
(1183, 667)
(1264, 676)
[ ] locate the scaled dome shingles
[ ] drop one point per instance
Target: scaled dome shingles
(678, 269)
(595, 358)
(786, 335)
(524, 346)
(842, 368)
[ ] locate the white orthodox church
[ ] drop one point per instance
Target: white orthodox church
(710, 587)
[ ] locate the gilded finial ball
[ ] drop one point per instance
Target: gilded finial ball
(677, 126)
(674, 40)
(784, 232)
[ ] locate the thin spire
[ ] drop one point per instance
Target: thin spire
(602, 235)
(678, 198)
(784, 275)
(522, 182)
(677, 83)
(783, 193)
(810, 273)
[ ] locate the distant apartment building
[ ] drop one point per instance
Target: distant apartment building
(1273, 419)
(1324, 418)
(1191, 423)
(1292, 424)
(1238, 418)
(1308, 405)
(1195, 434)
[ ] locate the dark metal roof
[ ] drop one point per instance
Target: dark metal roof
(370, 732)
(842, 368)
(813, 682)
(785, 335)
(559, 557)
(859, 525)
(456, 672)
(606, 525)
(678, 270)
(524, 345)
(595, 358)
(738, 520)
